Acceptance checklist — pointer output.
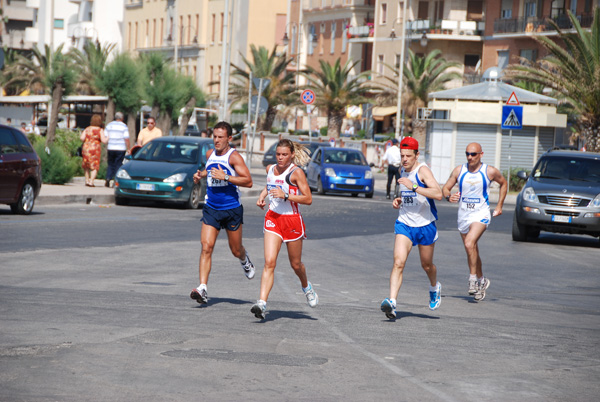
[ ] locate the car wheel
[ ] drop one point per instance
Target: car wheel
(369, 195)
(194, 199)
(24, 205)
(121, 201)
(320, 188)
(519, 231)
(354, 194)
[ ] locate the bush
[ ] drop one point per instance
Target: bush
(57, 167)
(323, 131)
(516, 184)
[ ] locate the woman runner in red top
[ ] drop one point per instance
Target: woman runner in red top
(286, 188)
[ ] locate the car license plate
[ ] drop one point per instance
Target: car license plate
(350, 181)
(145, 187)
(559, 218)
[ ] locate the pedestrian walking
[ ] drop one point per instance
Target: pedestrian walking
(474, 179)
(117, 134)
(286, 188)
(393, 160)
(415, 224)
(225, 171)
(93, 137)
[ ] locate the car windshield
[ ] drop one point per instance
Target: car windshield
(344, 157)
(163, 151)
(568, 168)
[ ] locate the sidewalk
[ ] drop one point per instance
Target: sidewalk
(76, 192)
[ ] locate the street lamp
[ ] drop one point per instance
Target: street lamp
(423, 42)
(83, 33)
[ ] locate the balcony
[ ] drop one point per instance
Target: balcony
(129, 4)
(325, 4)
(527, 25)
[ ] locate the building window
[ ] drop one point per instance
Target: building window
(397, 63)
(59, 23)
(222, 27)
(322, 39)
(154, 32)
(344, 36)
(528, 54)
(506, 10)
(530, 9)
(333, 29)
(311, 35)
(162, 30)
(503, 59)
(213, 31)
(383, 16)
(212, 77)
(380, 64)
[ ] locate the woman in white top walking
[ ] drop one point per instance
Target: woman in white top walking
(286, 188)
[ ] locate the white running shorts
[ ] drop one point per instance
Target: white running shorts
(465, 221)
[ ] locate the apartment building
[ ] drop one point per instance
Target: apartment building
(73, 22)
(321, 30)
(511, 27)
(16, 17)
(193, 32)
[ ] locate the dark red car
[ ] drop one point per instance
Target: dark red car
(20, 171)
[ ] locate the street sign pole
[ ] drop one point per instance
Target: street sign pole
(260, 89)
(509, 155)
(249, 116)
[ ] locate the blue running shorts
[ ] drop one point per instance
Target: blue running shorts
(229, 219)
(423, 235)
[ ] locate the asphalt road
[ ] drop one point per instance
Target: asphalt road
(94, 305)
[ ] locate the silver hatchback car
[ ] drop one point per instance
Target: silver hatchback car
(561, 195)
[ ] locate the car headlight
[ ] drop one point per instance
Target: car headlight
(595, 202)
(175, 178)
(122, 174)
(329, 172)
(368, 174)
(529, 195)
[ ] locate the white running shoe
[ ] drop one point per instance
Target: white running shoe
(201, 296)
(259, 309)
(472, 286)
(311, 296)
(248, 267)
(483, 285)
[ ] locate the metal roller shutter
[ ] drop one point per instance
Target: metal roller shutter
(484, 134)
(546, 140)
(522, 150)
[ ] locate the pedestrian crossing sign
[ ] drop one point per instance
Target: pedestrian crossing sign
(512, 117)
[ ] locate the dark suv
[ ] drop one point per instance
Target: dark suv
(561, 195)
(20, 171)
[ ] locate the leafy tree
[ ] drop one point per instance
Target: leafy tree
(8, 81)
(265, 65)
(192, 97)
(121, 81)
(335, 88)
(571, 69)
(422, 75)
(165, 90)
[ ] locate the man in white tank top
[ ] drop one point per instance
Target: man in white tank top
(415, 225)
(474, 179)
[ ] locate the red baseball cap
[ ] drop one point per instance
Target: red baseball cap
(409, 143)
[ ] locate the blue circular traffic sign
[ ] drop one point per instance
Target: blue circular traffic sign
(308, 97)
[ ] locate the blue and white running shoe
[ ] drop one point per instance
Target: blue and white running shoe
(388, 308)
(435, 297)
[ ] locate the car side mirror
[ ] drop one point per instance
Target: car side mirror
(128, 157)
(522, 174)
(371, 164)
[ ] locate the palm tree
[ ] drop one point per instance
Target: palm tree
(7, 78)
(422, 75)
(51, 72)
(572, 72)
(265, 65)
(90, 65)
(335, 88)
(192, 96)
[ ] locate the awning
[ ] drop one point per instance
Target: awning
(379, 112)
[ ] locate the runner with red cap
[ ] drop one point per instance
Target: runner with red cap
(415, 224)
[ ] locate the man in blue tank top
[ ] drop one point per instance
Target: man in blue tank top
(415, 225)
(474, 179)
(225, 171)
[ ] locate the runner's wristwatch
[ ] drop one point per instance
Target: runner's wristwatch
(226, 177)
(415, 187)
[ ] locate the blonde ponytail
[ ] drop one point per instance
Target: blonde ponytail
(301, 153)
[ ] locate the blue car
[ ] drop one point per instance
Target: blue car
(340, 170)
(163, 170)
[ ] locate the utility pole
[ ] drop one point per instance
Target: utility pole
(224, 67)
